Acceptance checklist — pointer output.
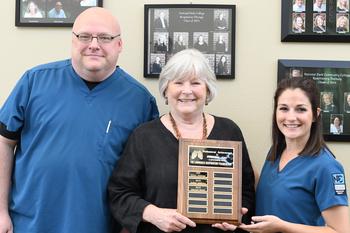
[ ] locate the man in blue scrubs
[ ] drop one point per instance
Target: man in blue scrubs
(57, 11)
(62, 130)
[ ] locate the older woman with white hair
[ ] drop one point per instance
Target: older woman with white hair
(143, 187)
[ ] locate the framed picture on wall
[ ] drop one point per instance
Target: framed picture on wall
(50, 13)
(315, 21)
(172, 28)
(333, 80)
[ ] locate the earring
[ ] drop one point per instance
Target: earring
(166, 101)
(206, 101)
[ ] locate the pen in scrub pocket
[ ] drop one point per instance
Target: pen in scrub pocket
(109, 125)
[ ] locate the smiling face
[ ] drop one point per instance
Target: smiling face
(336, 121)
(58, 6)
(95, 61)
(319, 2)
(161, 39)
(186, 96)
(200, 39)
(343, 3)
(32, 7)
(223, 59)
(299, 2)
(327, 100)
(342, 22)
(319, 21)
(296, 73)
(299, 22)
(294, 115)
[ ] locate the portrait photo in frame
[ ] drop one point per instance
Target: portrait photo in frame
(50, 13)
(315, 21)
(333, 80)
(170, 28)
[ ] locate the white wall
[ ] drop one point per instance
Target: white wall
(247, 99)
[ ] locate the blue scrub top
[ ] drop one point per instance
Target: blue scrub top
(71, 139)
(304, 188)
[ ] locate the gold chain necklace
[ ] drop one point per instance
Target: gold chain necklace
(177, 132)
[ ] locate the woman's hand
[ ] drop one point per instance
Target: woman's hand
(263, 224)
(226, 226)
(167, 220)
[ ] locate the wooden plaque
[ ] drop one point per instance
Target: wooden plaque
(210, 181)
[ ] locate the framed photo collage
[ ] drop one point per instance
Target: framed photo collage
(172, 28)
(315, 20)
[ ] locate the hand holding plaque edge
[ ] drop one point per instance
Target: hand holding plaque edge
(167, 220)
(226, 226)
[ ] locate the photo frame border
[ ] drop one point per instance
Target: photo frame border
(284, 64)
(45, 22)
(147, 32)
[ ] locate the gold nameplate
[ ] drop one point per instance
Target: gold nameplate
(209, 180)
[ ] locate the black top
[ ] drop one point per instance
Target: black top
(220, 47)
(222, 68)
(179, 46)
(201, 47)
(220, 23)
(156, 68)
(147, 173)
(330, 108)
(160, 47)
(347, 107)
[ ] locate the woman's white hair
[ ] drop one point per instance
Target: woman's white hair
(186, 64)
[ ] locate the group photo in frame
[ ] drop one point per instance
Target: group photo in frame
(315, 21)
(333, 81)
(170, 28)
(50, 13)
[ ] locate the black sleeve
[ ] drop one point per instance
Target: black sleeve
(125, 186)
(9, 134)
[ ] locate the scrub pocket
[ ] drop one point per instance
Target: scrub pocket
(112, 144)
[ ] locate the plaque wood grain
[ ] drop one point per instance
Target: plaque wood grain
(210, 180)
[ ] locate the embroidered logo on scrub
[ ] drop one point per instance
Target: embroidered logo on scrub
(339, 183)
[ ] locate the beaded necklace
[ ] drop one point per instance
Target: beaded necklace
(177, 132)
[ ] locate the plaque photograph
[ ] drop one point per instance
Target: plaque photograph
(209, 180)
